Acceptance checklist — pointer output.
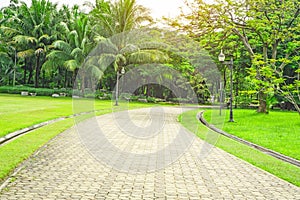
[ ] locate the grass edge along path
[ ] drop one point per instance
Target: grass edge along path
(13, 154)
(268, 163)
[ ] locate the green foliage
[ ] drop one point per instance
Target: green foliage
(38, 91)
(264, 33)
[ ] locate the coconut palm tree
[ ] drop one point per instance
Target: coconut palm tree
(114, 17)
(31, 29)
(72, 53)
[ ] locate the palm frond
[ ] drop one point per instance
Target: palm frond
(148, 56)
(65, 27)
(71, 65)
(73, 35)
(106, 60)
(94, 71)
(26, 53)
(44, 38)
(58, 55)
(50, 65)
(128, 49)
(62, 45)
(10, 32)
(24, 39)
(77, 53)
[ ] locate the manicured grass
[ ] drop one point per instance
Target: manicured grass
(13, 153)
(20, 112)
(277, 130)
(279, 168)
(17, 112)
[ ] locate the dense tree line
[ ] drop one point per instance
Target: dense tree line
(43, 45)
(261, 36)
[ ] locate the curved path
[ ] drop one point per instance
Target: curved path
(142, 154)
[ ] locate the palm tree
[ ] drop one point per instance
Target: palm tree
(116, 17)
(31, 30)
(117, 21)
(126, 49)
(72, 53)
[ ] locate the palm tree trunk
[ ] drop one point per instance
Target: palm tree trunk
(25, 72)
(37, 71)
(66, 79)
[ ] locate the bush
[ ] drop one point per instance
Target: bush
(103, 95)
(180, 100)
(151, 99)
(38, 91)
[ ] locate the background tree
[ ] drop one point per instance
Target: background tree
(31, 31)
(265, 28)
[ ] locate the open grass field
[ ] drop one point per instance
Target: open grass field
(277, 167)
(17, 112)
(278, 130)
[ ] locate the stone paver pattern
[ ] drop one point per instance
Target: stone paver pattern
(139, 154)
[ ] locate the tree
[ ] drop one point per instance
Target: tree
(114, 17)
(266, 29)
(72, 53)
(31, 30)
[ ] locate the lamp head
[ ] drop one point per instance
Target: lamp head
(221, 56)
(123, 70)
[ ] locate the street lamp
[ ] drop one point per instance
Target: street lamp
(117, 86)
(15, 63)
(230, 64)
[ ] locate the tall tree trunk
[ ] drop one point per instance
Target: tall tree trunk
(25, 72)
(30, 76)
(66, 79)
(262, 96)
(82, 83)
(44, 79)
(37, 71)
(74, 76)
(262, 108)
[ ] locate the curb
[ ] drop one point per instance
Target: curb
(250, 144)
(17, 133)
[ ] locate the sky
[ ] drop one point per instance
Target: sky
(159, 8)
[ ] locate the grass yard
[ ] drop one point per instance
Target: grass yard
(277, 167)
(278, 130)
(17, 112)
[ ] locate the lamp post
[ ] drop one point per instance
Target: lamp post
(221, 98)
(15, 63)
(117, 85)
(230, 64)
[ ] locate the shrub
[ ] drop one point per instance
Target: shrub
(151, 99)
(38, 91)
(180, 100)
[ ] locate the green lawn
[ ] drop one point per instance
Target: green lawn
(277, 130)
(19, 112)
(277, 167)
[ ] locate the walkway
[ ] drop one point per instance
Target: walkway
(140, 154)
